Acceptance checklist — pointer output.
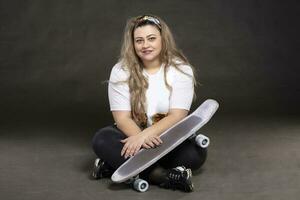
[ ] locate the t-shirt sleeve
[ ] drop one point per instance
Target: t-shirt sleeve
(118, 90)
(182, 89)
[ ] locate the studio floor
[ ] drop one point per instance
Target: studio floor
(250, 157)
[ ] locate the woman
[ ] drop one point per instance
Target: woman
(150, 89)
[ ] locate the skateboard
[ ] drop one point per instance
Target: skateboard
(172, 137)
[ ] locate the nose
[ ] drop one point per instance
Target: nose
(145, 44)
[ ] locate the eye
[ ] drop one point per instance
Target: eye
(138, 41)
(152, 38)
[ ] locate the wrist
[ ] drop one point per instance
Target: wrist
(147, 133)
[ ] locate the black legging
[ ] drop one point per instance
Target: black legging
(107, 146)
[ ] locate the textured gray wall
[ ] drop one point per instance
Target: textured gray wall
(55, 54)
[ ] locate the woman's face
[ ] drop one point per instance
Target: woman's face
(147, 43)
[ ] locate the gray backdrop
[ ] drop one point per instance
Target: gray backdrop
(54, 55)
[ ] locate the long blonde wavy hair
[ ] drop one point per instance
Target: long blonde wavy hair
(170, 55)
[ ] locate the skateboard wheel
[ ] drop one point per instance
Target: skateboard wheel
(140, 185)
(202, 141)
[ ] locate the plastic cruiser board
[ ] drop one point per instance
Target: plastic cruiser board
(171, 138)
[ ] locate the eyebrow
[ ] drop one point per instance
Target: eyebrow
(146, 36)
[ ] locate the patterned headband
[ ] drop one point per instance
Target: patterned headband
(150, 19)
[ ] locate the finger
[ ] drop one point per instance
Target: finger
(124, 141)
(137, 150)
(154, 141)
(158, 139)
(129, 152)
(126, 155)
(124, 149)
(150, 143)
(146, 146)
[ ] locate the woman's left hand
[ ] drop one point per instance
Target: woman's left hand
(132, 145)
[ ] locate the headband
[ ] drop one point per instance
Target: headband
(150, 19)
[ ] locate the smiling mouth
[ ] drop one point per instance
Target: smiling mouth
(147, 52)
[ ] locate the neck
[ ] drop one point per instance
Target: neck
(152, 65)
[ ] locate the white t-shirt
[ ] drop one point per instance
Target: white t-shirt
(158, 96)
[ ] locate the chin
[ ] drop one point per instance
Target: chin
(149, 58)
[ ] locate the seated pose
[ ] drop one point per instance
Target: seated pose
(150, 89)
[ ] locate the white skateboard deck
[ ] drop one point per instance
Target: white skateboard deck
(171, 138)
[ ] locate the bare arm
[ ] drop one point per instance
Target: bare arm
(149, 137)
(174, 116)
(125, 123)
